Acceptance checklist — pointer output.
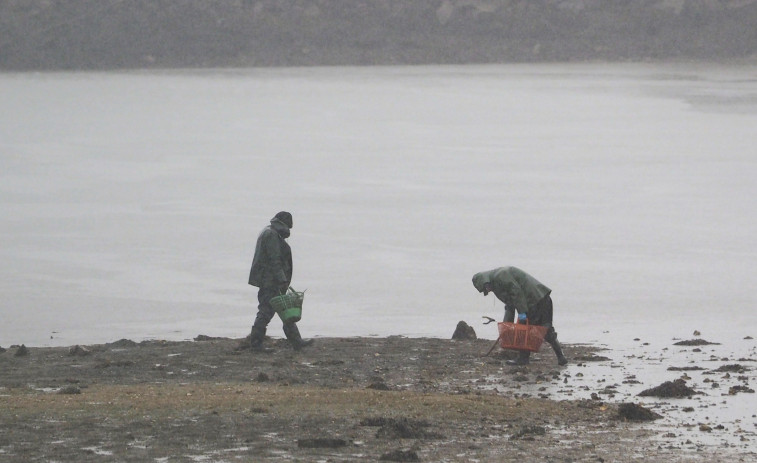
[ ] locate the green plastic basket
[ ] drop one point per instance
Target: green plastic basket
(289, 305)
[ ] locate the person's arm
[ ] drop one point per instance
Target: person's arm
(505, 291)
(509, 314)
(516, 298)
(273, 249)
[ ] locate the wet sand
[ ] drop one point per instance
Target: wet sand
(342, 399)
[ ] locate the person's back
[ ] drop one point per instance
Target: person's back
(516, 288)
(272, 262)
(516, 280)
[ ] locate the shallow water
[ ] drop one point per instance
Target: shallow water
(729, 413)
(130, 202)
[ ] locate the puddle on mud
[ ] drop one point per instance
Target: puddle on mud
(721, 414)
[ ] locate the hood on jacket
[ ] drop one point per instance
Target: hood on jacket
(280, 228)
(481, 278)
(285, 218)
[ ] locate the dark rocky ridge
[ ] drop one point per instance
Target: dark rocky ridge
(119, 34)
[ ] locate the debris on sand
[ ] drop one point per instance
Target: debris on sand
(528, 432)
(107, 363)
(321, 442)
(21, 351)
(69, 390)
(733, 390)
(685, 368)
(329, 362)
(78, 351)
(732, 368)
(463, 331)
(121, 343)
(400, 455)
(378, 386)
(203, 337)
(375, 421)
(399, 428)
(591, 358)
(635, 412)
(677, 388)
(696, 342)
(244, 344)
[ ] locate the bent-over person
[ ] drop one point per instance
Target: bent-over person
(525, 295)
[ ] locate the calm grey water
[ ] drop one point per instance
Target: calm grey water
(130, 202)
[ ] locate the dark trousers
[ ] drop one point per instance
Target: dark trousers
(265, 310)
(540, 314)
(266, 313)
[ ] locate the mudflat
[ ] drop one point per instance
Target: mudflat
(341, 399)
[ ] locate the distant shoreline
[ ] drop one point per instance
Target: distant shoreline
(37, 35)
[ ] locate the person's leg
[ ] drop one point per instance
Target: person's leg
(263, 318)
(551, 338)
(293, 335)
(543, 317)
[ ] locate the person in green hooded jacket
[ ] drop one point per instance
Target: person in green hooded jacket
(524, 294)
(271, 272)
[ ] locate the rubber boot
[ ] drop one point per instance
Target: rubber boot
(522, 359)
(551, 338)
(561, 360)
(293, 335)
(256, 339)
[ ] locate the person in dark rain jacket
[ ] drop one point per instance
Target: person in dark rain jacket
(271, 272)
(525, 294)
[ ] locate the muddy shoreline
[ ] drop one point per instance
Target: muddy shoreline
(343, 399)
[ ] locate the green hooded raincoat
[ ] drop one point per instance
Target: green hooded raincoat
(516, 288)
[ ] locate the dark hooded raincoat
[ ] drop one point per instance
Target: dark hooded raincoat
(516, 288)
(272, 264)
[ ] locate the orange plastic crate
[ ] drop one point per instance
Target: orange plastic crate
(521, 336)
